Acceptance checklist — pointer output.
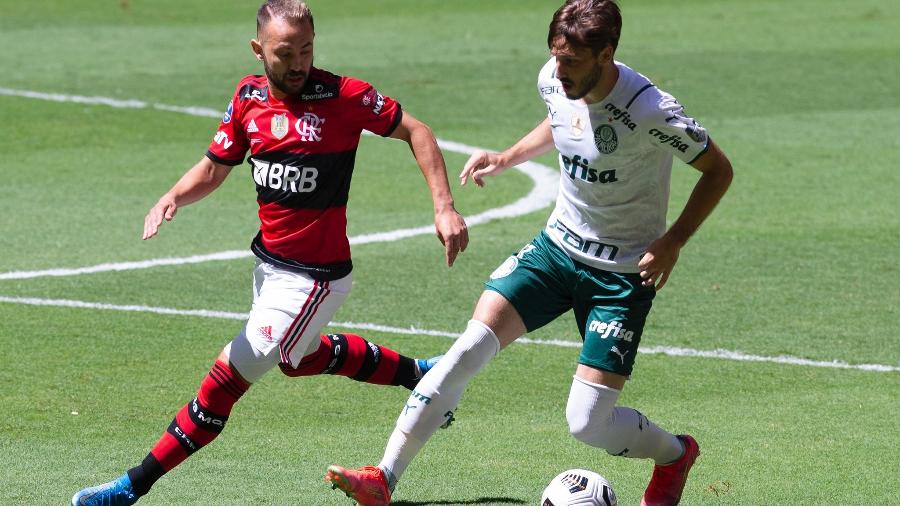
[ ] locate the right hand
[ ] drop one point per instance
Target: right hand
(164, 209)
(480, 164)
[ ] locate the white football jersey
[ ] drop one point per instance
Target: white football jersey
(615, 158)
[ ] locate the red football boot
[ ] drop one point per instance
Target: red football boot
(367, 485)
(668, 480)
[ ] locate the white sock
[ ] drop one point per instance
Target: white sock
(595, 420)
(437, 395)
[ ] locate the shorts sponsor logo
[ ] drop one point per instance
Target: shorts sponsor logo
(284, 177)
(613, 330)
(672, 140)
(279, 126)
(605, 139)
(620, 115)
(577, 167)
(621, 355)
(597, 249)
(310, 127)
(265, 332)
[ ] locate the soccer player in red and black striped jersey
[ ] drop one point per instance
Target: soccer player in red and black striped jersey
(301, 126)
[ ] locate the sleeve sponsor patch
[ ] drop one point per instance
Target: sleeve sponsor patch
(374, 100)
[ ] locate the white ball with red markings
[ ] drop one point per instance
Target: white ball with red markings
(578, 487)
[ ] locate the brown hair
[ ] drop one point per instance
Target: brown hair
(593, 24)
(294, 11)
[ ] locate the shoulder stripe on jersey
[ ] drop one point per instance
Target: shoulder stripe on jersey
(636, 95)
(704, 150)
(218, 159)
(396, 122)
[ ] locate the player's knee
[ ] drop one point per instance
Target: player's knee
(474, 349)
(590, 426)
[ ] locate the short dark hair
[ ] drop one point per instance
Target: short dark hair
(294, 11)
(593, 24)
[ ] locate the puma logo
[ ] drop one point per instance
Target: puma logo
(619, 353)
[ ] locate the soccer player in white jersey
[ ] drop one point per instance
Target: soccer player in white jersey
(604, 253)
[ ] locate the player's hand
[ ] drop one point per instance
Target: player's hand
(452, 232)
(165, 209)
(657, 263)
(480, 164)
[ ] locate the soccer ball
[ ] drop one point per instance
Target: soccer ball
(578, 487)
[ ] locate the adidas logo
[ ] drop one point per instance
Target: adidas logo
(265, 332)
(251, 128)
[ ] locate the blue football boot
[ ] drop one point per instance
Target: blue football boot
(114, 493)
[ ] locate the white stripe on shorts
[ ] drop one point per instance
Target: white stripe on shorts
(292, 336)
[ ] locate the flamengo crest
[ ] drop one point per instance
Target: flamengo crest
(279, 125)
(309, 127)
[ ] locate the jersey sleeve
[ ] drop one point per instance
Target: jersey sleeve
(230, 144)
(370, 109)
(670, 129)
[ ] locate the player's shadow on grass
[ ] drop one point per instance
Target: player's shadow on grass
(480, 500)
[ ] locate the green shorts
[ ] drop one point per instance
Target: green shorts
(542, 282)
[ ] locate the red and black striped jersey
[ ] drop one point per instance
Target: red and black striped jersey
(302, 152)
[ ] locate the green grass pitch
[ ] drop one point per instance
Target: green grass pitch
(799, 260)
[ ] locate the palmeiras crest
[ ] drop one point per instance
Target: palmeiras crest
(606, 139)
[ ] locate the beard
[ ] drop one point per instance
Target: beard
(586, 85)
(285, 81)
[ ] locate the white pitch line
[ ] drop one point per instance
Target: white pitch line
(649, 350)
(542, 194)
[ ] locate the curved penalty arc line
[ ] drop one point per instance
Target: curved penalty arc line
(543, 193)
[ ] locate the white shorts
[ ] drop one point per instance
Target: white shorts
(288, 313)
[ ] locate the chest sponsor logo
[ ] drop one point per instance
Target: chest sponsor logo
(309, 126)
(279, 126)
(228, 112)
(613, 330)
(672, 140)
(550, 90)
(221, 138)
(320, 92)
(620, 115)
(597, 249)
(577, 167)
(284, 177)
(605, 139)
(374, 100)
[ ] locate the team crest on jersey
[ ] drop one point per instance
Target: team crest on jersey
(279, 125)
(310, 127)
(606, 139)
(374, 100)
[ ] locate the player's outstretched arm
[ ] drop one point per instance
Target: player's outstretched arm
(662, 254)
(196, 183)
(449, 224)
(485, 163)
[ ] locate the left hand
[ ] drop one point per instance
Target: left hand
(452, 232)
(658, 262)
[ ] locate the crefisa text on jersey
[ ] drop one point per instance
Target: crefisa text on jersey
(671, 140)
(621, 115)
(577, 167)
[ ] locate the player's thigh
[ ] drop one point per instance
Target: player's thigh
(288, 313)
(611, 310)
(537, 281)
